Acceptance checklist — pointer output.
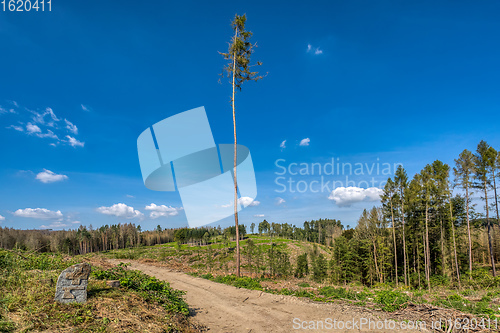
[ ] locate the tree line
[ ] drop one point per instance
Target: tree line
(423, 232)
(84, 239)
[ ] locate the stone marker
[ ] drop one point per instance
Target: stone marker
(113, 283)
(72, 284)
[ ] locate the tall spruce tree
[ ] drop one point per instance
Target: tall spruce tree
(239, 71)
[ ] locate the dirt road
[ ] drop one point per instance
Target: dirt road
(224, 308)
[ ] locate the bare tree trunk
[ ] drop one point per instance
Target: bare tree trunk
(495, 191)
(427, 251)
(443, 272)
(489, 233)
(376, 264)
(417, 267)
(319, 232)
(234, 171)
(496, 207)
(468, 231)
(404, 242)
(455, 246)
(395, 249)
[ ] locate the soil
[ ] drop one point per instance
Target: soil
(223, 308)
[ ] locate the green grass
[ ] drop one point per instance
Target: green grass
(233, 280)
(27, 288)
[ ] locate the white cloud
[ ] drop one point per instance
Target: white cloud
(4, 110)
(129, 196)
(54, 225)
(71, 127)
(346, 196)
(280, 201)
(85, 108)
(2, 218)
(49, 134)
(74, 142)
(40, 117)
(315, 50)
(76, 222)
(38, 213)
(34, 129)
(283, 144)
(17, 128)
(247, 201)
(162, 210)
(45, 124)
(259, 215)
(120, 210)
(304, 142)
(30, 128)
(47, 176)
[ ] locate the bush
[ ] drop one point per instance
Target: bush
(341, 293)
(6, 263)
(391, 300)
(239, 282)
(440, 281)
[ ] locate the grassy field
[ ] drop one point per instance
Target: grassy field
(216, 262)
(27, 288)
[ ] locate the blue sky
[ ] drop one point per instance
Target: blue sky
(364, 82)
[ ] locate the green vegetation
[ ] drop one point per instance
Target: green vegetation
(150, 288)
(27, 288)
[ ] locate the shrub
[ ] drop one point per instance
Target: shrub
(391, 300)
(240, 282)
